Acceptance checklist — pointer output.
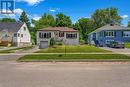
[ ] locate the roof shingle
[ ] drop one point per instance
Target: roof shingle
(11, 27)
(111, 27)
(64, 29)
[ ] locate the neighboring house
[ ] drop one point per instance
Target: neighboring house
(66, 35)
(108, 33)
(15, 33)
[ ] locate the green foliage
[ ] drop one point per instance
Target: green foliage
(75, 57)
(85, 26)
(59, 43)
(6, 20)
(52, 42)
(102, 17)
(129, 24)
(46, 20)
(63, 20)
(24, 18)
(82, 42)
(127, 44)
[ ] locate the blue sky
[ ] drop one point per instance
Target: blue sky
(74, 8)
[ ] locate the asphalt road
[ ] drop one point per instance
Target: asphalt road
(13, 74)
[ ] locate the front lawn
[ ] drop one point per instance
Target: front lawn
(74, 58)
(72, 49)
(127, 45)
(16, 49)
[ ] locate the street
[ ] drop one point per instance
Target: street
(14, 74)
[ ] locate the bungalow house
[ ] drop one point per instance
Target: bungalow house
(108, 33)
(66, 35)
(14, 33)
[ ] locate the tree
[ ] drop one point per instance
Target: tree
(102, 17)
(63, 20)
(46, 20)
(84, 25)
(129, 24)
(7, 20)
(24, 18)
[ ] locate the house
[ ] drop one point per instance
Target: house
(66, 35)
(14, 33)
(108, 33)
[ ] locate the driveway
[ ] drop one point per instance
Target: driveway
(13, 74)
(15, 56)
(125, 51)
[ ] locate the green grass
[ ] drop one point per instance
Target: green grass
(16, 49)
(127, 45)
(74, 58)
(72, 49)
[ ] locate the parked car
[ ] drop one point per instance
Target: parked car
(114, 44)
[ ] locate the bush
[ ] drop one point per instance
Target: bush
(52, 42)
(82, 42)
(59, 43)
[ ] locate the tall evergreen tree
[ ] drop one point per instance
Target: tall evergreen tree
(129, 23)
(24, 18)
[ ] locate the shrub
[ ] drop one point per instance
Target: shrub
(59, 43)
(82, 42)
(52, 42)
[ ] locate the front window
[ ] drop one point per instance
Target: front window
(21, 35)
(15, 35)
(18, 35)
(24, 28)
(44, 35)
(40, 35)
(109, 33)
(126, 33)
(61, 34)
(71, 36)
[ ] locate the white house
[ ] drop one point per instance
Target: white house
(68, 36)
(15, 33)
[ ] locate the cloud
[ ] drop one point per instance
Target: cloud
(31, 2)
(124, 16)
(54, 9)
(18, 11)
(36, 18)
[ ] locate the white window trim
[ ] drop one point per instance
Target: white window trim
(110, 31)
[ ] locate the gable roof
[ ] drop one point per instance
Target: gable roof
(62, 29)
(111, 27)
(11, 27)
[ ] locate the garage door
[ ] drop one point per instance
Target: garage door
(43, 44)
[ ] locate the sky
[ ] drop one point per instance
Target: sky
(74, 8)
